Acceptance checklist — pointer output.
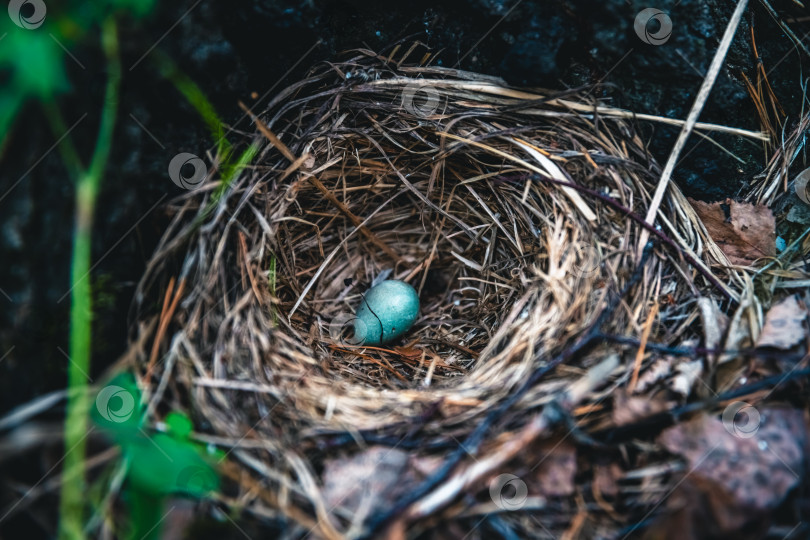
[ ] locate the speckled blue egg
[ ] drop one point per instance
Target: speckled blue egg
(387, 311)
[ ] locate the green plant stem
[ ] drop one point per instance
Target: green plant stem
(71, 505)
(145, 513)
(231, 169)
(197, 99)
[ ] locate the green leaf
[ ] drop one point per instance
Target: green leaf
(118, 409)
(179, 424)
(197, 99)
(162, 465)
(36, 63)
(158, 463)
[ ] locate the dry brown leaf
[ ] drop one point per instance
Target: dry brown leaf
(745, 232)
(784, 324)
(715, 322)
(702, 509)
(554, 476)
(758, 460)
(739, 331)
(732, 481)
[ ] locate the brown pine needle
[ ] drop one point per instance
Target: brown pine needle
(165, 319)
(641, 348)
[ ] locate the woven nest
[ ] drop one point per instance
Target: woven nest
(514, 214)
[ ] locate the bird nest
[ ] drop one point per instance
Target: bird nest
(515, 214)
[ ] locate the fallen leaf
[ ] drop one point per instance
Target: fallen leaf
(733, 481)
(784, 325)
(554, 476)
(701, 509)
(745, 232)
(754, 454)
(739, 331)
(715, 322)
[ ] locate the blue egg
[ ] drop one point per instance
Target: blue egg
(386, 311)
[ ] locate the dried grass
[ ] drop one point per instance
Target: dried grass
(515, 214)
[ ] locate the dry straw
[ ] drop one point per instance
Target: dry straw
(515, 214)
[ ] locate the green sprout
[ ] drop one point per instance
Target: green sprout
(159, 465)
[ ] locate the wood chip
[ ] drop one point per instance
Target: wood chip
(784, 325)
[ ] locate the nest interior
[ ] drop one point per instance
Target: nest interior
(515, 215)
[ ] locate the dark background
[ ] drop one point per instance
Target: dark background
(235, 49)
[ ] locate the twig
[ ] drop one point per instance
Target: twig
(645, 335)
(650, 229)
(165, 319)
(274, 140)
(697, 107)
(793, 37)
(577, 108)
(659, 421)
(692, 351)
